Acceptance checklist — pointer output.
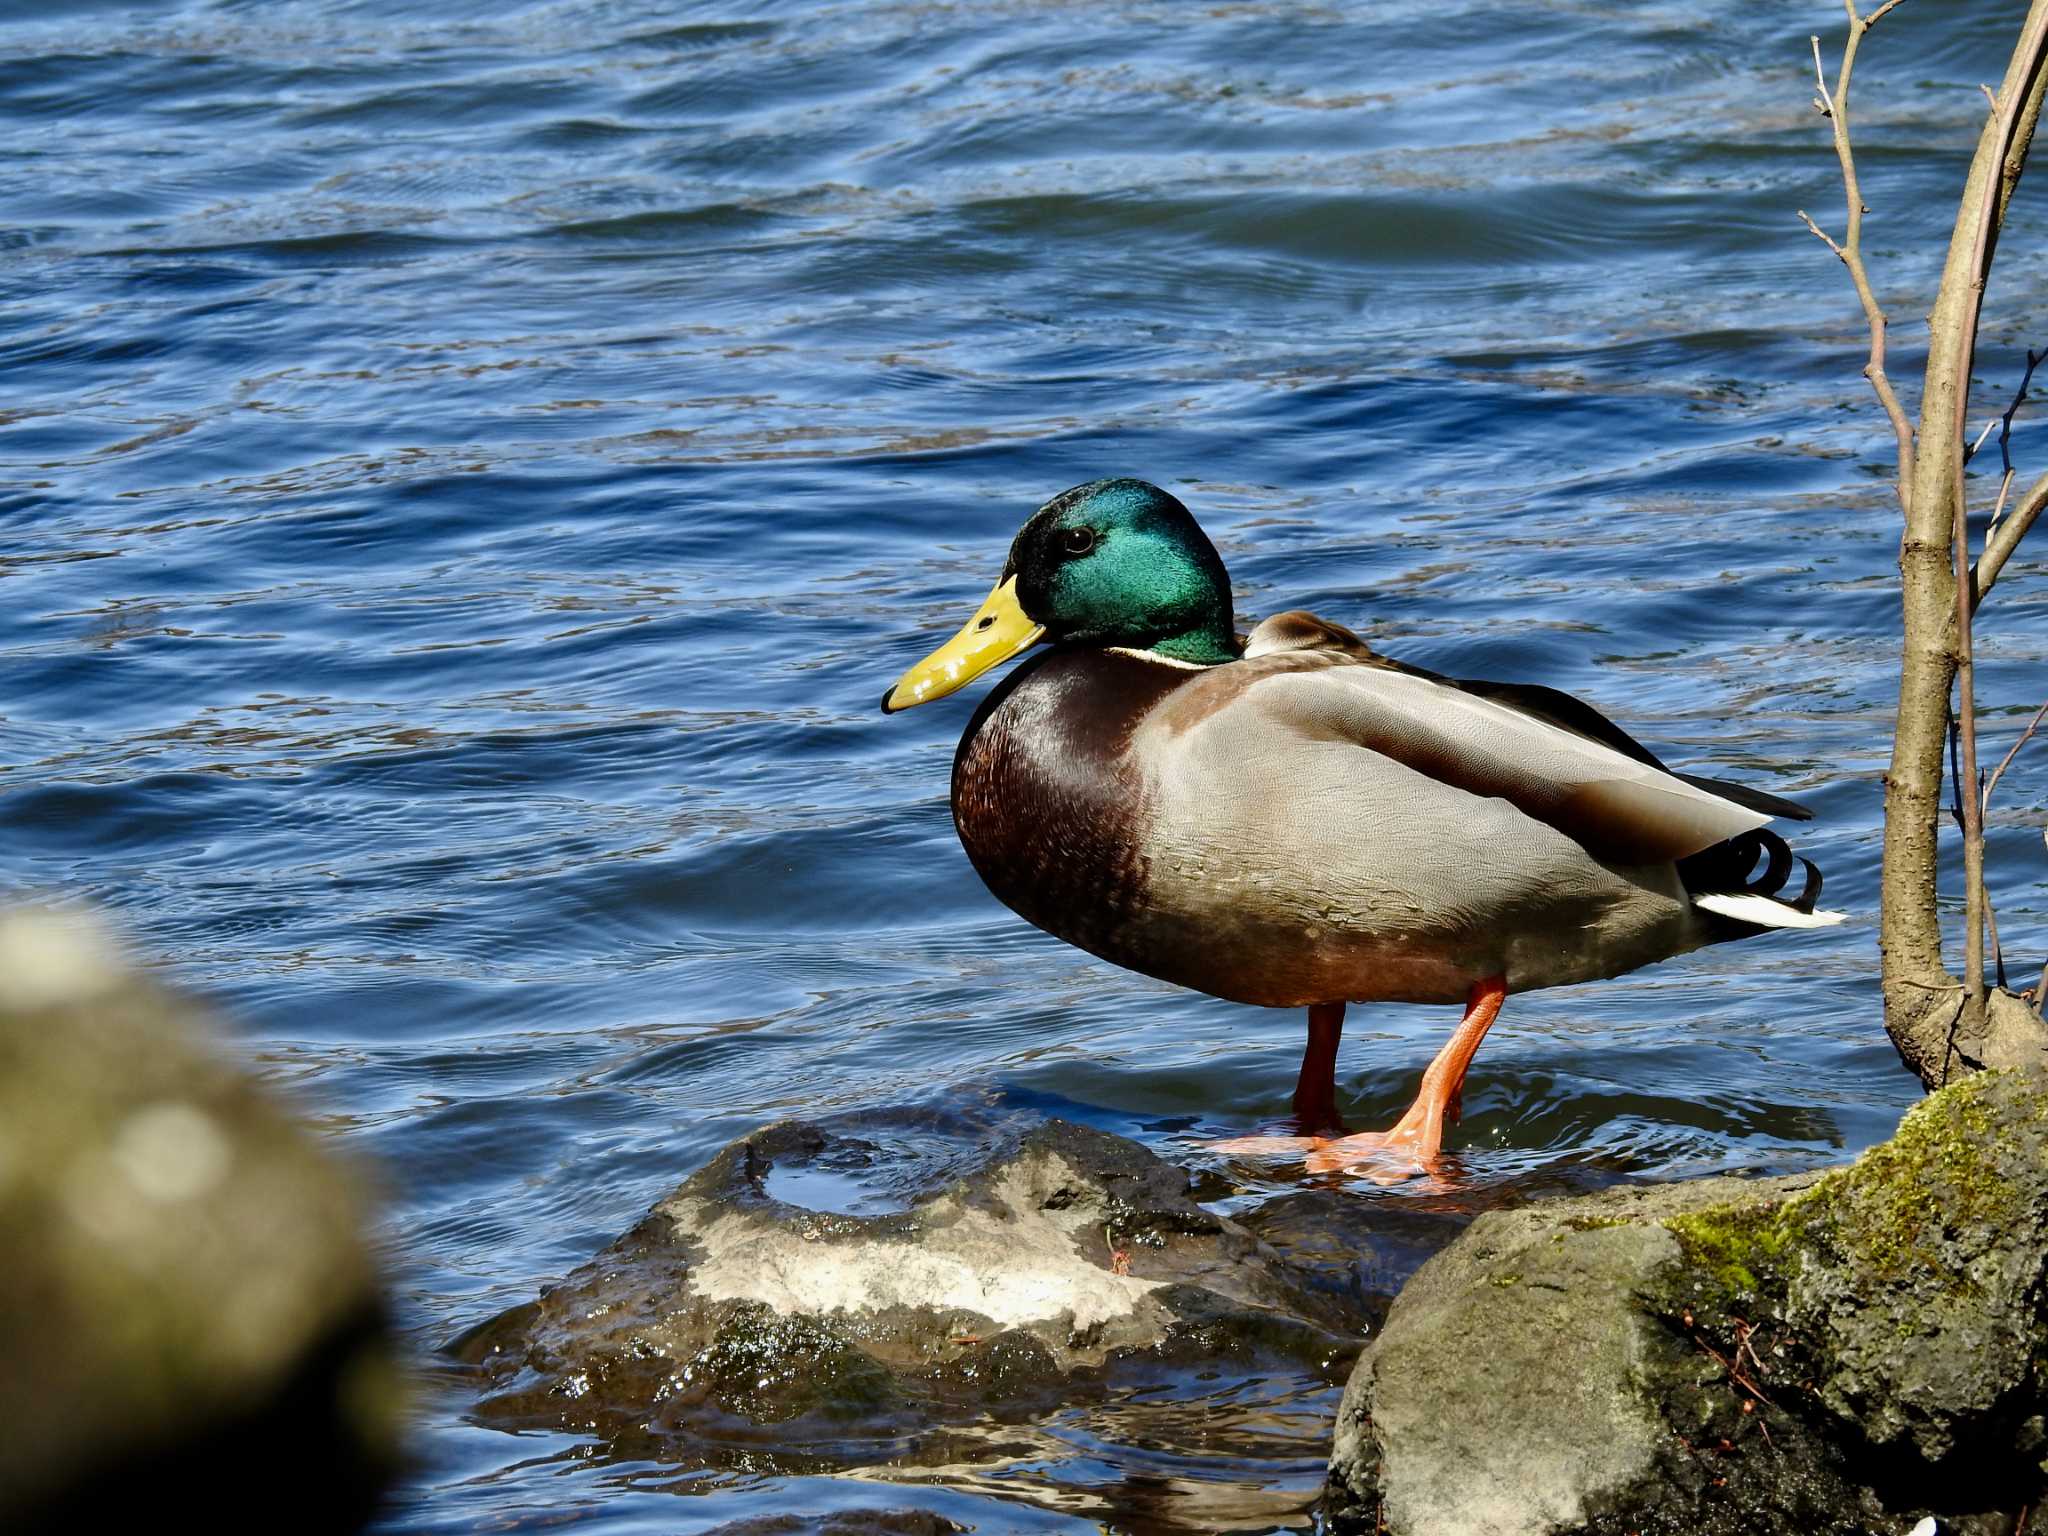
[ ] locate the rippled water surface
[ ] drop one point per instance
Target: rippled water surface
(468, 471)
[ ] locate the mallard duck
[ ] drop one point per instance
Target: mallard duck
(1292, 820)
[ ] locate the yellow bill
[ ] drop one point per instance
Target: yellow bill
(998, 631)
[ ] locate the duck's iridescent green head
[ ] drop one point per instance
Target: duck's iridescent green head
(1112, 562)
(1120, 562)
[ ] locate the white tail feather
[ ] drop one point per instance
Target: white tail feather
(1765, 912)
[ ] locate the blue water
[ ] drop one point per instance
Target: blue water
(467, 473)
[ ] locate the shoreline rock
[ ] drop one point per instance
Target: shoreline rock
(1845, 1351)
(1848, 1351)
(729, 1315)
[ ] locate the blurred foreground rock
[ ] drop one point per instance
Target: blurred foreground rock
(190, 1323)
(1054, 1264)
(1836, 1353)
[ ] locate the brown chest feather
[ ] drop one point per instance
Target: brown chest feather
(1048, 805)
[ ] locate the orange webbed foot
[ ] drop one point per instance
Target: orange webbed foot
(1413, 1145)
(1268, 1146)
(1383, 1157)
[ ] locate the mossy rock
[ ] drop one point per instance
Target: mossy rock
(1841, 1353)
(1907, 1289)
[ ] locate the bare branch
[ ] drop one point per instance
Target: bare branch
(2005, 538)
(1998, 542)
(1984, 809)
(1820, 78)
(1998, 508)
(1933, 563)
(1835, 105)
(1938, 646)
(1970, 452)
(2012, 752)
(1997, 951)
(1828, 240)
(2019, 398)
(1972, 804)
(1989, 215)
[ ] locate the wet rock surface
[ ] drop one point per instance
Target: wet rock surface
(1841, 1352)
(1063, 1266)
(190, 1318)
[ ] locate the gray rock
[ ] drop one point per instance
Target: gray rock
(1028, 1271)
(2012, 1035)
(185, 1286)
(1840, 1352)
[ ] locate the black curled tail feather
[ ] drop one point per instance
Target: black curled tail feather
(1731, 867)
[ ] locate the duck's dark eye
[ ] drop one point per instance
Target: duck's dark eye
(1078, 541)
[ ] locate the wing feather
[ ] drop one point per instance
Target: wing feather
(1618, 807)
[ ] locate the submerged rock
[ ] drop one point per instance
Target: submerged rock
(1839, 1352)
(1033, 1268)
(190, 1319)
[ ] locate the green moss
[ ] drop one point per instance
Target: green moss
(1742, 1252)
(1944, 1167)
(1882, 1216)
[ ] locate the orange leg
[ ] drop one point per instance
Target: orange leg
(1418, 1136)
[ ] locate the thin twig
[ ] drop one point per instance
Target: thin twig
(2012, 752)
(1982, 893)
(1997, 951)
(2019, 398)
(2001, 541)
(1826, 238)
(1998, 507)
(1983, 809)
(1735, 1371)
(1998, 542)
(1820, 80)
(1955, 773)
(2004, 425)
(1966, 772)
(1834, 105)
